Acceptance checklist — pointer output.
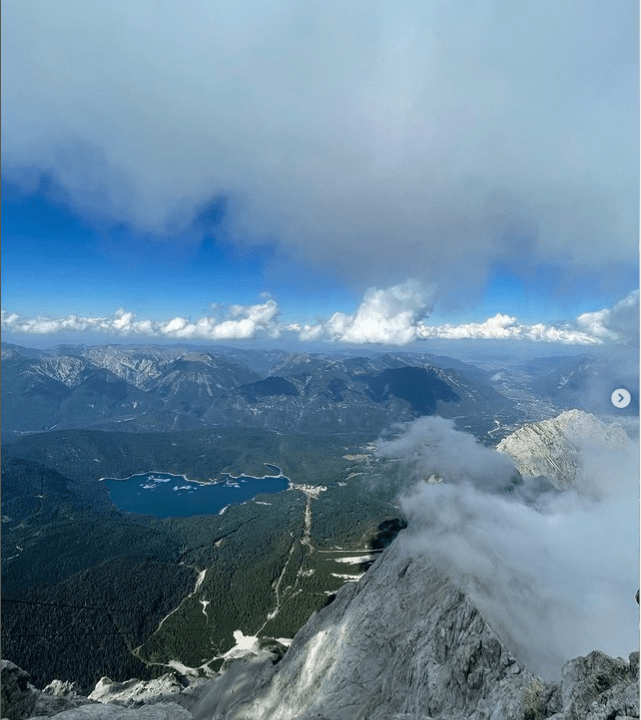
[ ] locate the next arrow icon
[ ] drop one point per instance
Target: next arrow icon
(620, 398)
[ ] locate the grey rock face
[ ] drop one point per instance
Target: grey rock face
(161, 711)
(21, 700)
(403, 642)
(134, 692)
(598, 687)
(18, 699)
(58, 688)
(550, 448)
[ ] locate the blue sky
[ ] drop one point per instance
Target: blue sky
(364, 174)
(54, 263)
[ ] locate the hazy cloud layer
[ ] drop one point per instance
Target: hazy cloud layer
(554, 572)
(390, 139)
(235, 322)
(504, 327)
(396, 315)
(390, 316)
(619, 323)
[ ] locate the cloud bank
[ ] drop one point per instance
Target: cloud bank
(504, 327)
(390, 316)
(619, 323)
(554, 572)
(386, 140)
(395, 316)
(236, 322)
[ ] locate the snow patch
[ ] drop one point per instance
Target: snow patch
(355, 559)
(349, 578)
(245, 644)
(200, 579)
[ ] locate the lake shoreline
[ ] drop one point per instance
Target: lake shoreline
(165, 495)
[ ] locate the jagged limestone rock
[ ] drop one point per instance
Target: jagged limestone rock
(133, 693)
(551, 448)
(99, 711)
(402, 642)
(21, 700)
(599, 687)
(18, 696)
(58, 688)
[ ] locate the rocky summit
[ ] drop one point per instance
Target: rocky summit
(552, 448)
(404, 643)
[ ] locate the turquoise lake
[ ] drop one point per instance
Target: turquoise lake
(165, 495)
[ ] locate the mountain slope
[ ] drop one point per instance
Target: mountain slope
(552, 448)
(192, 385)
(308, 393)
(584, 382)
(402, 643)
(153, 388)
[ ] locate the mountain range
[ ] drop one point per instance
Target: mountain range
(140, 389)
(380, 630)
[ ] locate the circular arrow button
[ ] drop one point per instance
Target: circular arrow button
(620, 398)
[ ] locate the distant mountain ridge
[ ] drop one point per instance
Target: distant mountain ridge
(584, 381)
(152, 388)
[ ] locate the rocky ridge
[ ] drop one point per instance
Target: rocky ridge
(402, 644)
(552, 448)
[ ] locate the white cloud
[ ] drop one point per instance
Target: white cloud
(389, 316)
(243, 323)
(123, 320)
(394, 316)
(554, 573)
(44, 326)
(237, 322)
(308, 333)
(504, 327)
(175, 325)
(401, 138)
(619, 323)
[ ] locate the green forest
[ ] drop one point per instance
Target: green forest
(85, 586)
